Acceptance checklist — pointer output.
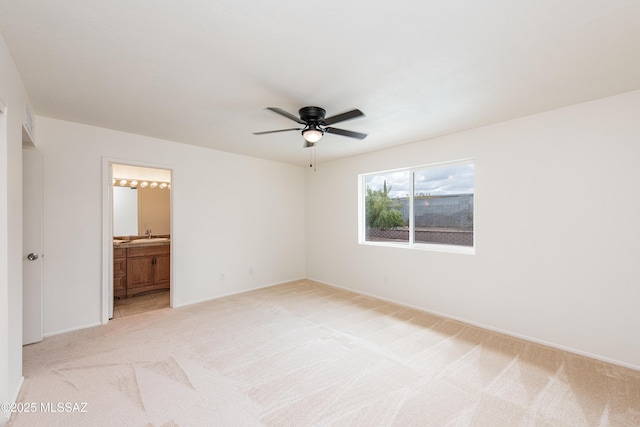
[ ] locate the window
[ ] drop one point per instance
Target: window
(428, 207)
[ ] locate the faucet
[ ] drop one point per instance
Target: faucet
(148, 232)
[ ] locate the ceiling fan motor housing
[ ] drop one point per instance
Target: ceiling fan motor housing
(312, 114)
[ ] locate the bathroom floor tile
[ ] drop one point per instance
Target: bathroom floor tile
(140, 304)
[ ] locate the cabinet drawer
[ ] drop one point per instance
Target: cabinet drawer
(150, 250)
(120, 284)
(119, 252)
(119, 266)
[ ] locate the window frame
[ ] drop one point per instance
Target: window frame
(411, 244)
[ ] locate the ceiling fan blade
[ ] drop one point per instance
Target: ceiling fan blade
(275, 131)
(342, 117)
(348, 133)
(286, 114)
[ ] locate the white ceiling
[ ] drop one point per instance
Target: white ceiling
(202, 71)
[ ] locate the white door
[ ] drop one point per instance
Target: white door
(31, 246)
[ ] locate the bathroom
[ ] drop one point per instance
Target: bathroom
(141, 259)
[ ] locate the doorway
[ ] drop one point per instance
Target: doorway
(137, 238)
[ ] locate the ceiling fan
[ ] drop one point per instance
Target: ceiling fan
(316, 125)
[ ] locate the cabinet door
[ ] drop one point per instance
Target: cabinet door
(162, 269)
(139, 272)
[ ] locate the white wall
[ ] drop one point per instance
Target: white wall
(557, 230)
(231, 213)
(13, 96)
(154, 211)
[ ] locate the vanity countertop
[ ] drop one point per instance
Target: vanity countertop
(140, 243)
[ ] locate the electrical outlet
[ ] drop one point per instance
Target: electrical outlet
(221, 276)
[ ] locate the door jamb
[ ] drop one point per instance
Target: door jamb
(107, 228)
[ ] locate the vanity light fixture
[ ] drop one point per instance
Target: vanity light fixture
(134, 183)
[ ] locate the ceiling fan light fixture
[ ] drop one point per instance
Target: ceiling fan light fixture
(312, 134)
(316, 125)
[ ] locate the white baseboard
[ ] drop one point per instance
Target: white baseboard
(491, 328)
(77, 328)
(236, 293)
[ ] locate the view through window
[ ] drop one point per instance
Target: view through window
(427, 205)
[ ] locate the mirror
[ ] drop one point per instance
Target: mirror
(125, 211)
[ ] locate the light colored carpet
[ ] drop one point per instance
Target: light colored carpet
(303, 354)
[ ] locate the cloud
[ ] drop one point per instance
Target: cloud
(397, 182)
(432, 180)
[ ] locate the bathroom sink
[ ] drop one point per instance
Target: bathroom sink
(152, 240)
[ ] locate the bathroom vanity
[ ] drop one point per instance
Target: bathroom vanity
(141, 265)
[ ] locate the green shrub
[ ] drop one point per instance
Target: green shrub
(390, 218)
(381, 210)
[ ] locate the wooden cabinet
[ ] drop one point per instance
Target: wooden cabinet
(119, 273)
(148, 268)
(141, 269)
(162, 269)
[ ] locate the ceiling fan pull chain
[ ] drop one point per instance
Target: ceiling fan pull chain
(313, 153)
(312, 157)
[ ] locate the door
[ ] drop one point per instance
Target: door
(32, 246)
